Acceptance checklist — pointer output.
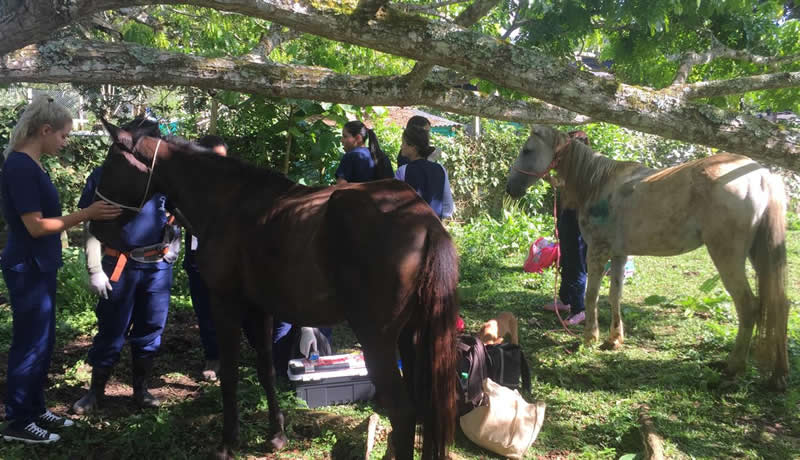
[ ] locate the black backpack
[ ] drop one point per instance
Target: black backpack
(506, 365)
(472, 370)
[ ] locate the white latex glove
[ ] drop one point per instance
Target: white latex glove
(308, 342)
(99, 284)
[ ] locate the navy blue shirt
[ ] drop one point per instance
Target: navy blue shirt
(356, 166)
(146, 229)
(430, 181)
(25, 189)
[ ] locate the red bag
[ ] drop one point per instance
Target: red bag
(542, 254)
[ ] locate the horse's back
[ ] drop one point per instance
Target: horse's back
(677, 209)
(316, 248)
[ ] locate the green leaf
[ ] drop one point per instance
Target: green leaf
(709, 284)
(655, 300)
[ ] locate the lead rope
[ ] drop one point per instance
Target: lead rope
(150, 176)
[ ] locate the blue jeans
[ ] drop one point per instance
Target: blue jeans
(32, 296)
(573, 261)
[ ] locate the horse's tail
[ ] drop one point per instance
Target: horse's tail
(435, 385)
(768, 255)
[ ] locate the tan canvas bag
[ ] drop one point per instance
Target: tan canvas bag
(508, 425)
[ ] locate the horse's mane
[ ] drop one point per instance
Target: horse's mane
(586, 171)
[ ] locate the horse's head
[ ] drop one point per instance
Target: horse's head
(539, 155)
(127, 173)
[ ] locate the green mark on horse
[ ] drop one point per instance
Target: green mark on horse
(598, 212)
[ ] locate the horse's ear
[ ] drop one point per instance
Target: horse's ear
(119, 136)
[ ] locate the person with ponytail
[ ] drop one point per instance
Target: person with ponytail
(429, 179)
(30, 261)
(359, 163)
(420, 122)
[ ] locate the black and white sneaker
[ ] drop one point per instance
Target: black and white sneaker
(31, 434)
(52, 421)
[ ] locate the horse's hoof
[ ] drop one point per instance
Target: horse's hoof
(279, 441)
(608, 345)
(223, 454)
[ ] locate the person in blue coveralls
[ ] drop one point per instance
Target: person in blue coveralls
(30, 261)
(359, 163)
(429, 179)
(133, 282)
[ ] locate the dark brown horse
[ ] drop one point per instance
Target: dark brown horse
(372, 254)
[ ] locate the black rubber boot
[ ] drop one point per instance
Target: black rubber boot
(142, 367)
(92, 399)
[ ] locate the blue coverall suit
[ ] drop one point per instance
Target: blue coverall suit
(137, 307)
(29, 268)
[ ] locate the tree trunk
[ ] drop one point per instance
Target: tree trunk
(212, 122)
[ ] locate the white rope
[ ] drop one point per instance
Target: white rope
(150, 176)
(130, 208)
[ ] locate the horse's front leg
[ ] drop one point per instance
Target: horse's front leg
(227, 317)
(259, 328)
(595, 263)
(617, 273)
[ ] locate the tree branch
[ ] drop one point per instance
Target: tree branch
(467, 18)
(274, 37)
(528, 71)
(87, 62)
(719, 51)
(369, 8)
(430, 7)
(474, 12)
(735, 85)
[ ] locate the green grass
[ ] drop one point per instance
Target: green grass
(677, 324)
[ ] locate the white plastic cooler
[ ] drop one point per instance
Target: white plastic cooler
(330, 380)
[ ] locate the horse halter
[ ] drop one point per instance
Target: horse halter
(151, 169)
(553, 164)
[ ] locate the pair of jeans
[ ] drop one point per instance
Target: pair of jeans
(573, 261)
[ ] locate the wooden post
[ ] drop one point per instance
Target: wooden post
(289, 137)
(653, 444)
(212, 122)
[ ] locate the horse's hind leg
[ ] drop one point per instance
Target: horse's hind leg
(731, 266)
(259, 334)
(617, 273)
(390, 390)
